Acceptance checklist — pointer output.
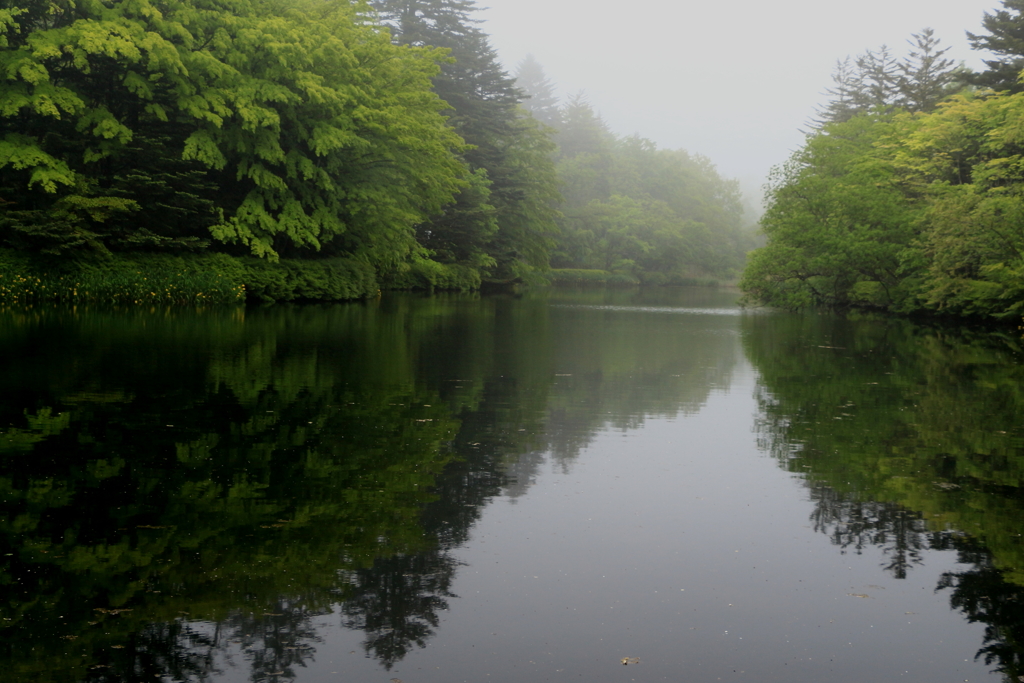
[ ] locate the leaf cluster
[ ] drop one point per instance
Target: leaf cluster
(273, 126)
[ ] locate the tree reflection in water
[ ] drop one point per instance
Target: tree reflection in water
(854, 524)
(985, 596)
(396, 603)
(908, 439)
(186, 494)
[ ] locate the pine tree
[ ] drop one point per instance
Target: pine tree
(926, 77)
(876, 81)
(843, 95)
(1005, 39)
(878, 74)
(540, 91)
(485, 110)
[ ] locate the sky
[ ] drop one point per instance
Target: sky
(735, 81)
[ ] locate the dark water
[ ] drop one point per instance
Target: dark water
(508, 490)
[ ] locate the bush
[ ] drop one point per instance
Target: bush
(335, 279)
(187, 279)
(582, 276)
(431, 275)
(121, 279)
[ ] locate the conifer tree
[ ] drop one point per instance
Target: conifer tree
(878, 76)
(843, 94)
(1005, 39)
(926, 76)
(513, 176)
(540, 91)
(876, 81)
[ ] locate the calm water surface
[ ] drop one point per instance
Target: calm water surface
(461, 488)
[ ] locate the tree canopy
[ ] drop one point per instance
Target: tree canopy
(386, 132)
(504, 220)
(274, 126)
(657, 215)
(1004, 38)
(911, 205)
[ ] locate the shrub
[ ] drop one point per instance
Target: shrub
(185, 279)
(431, 275)
(583, 276)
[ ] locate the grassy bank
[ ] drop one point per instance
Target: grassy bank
(188, 279)
(580, 276)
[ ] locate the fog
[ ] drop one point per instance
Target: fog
(732, 81)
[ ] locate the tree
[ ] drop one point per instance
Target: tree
(876, 81)
(867, 83)
(842, 104)
(484, 109)
(317, 132)
(1005, 39)
(584, 153)
(878, 75)
(660, 215)
(541, 100)
(970, 256)
(837, 221)
(926, 77)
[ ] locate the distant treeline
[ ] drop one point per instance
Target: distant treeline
(908, 195)
(385, 133)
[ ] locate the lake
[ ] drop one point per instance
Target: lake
(594, 485)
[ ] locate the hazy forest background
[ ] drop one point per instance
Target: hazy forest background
(384, 135)
(195, 150)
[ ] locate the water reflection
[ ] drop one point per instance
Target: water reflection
(186, 492)
(192, 494)
(909, 438)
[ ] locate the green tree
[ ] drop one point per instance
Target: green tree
(971, 252)
(1004, 38)
(836, 222)
(660, 215)
(305, 119)
(926, 76)
(876, 81)
(541, 100)
(483, 108)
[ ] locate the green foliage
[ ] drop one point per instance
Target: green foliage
(334, 279)
(462, 233)
(303, 117)
(316, 130)
(876, 81)
(837, 222)
(431, 275)
(904, 213)
(164, 279)
(632, 207)
(908, 211)
(1004, 37)
(141, 279)
(583, 276)
(971, 252)
(503, 221)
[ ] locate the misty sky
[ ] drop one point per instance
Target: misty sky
(734, 81)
